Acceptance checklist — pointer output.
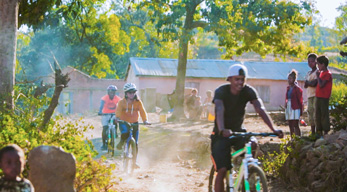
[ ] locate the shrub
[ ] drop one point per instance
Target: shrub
(272, 162)
(20, 126)
(338, 106)
(310, 164)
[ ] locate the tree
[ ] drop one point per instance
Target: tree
(80, 15)
(144, 40)
(241, 25)
(8, 38)
(341, 25)
(14, 13)
(88, 43)
(341, 21)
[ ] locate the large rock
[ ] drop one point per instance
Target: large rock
(320, 142)
(51, 169)
(319, 165)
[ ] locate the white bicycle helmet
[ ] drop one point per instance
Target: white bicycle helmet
(130, 87)
(111, 88)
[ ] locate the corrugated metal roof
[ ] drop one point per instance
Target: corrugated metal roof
(208, 68)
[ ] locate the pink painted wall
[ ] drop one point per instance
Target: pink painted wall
(84, 92)
(277, 88)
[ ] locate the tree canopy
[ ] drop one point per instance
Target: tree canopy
(78, 28)
(241, 25)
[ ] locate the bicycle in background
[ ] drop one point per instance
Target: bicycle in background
(250, 177)
(111, 134)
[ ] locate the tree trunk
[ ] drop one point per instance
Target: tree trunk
(8, 42)
(178, 112)
(61, 82)
(181, 77)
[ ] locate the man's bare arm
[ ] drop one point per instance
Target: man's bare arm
(260, 109)
(220, 118)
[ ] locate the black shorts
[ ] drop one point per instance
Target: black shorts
(221, 150)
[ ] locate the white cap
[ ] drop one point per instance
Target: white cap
(237, 69)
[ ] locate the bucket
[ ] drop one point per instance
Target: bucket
(210, 117)
(162, 118)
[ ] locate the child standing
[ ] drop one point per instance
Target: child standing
(323, 93)
(310, 85)
(294, 104)
(12, 161)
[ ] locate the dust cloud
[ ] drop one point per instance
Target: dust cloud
(172, 157)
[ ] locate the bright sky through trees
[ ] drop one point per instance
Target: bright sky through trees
(328, 12)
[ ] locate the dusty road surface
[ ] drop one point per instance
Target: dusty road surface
(174, 157)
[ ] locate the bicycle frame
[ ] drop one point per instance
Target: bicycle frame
(111, 128)
(250, 176)
(246, 161)
(110, 125)
(129, 156)
(130, 129)
(243, 170)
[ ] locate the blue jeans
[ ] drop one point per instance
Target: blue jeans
(124, 130)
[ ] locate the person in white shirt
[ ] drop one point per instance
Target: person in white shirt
(310, 85)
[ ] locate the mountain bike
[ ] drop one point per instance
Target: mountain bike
(129, 150)
(249, 177)
(111, 134)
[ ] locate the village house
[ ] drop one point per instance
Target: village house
(269, 78)
(155, 78)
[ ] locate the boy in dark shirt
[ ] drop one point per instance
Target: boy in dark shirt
(230, 102)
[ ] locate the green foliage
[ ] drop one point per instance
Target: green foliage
(242, 26)
(79, 34)
(339, 65)
(272, 162)
(21, 127)
(341, 21)
(322, 39)
(32, 13)
(338, 105)
(263, 27)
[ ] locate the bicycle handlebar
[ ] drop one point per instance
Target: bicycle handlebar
(130, 124)
(103, 114)
(250, 134)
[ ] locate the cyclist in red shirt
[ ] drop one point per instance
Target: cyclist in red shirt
(107, 109)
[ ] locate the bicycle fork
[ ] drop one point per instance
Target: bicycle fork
(248, 160)
(127, 152)
(243, 172)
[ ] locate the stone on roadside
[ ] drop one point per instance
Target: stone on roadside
(320, 142)
(51, 169)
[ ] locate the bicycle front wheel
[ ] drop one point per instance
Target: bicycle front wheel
(256, 180)
(212, 178)
(129, 157)
(112, 142)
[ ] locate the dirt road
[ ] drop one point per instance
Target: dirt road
(173, 157)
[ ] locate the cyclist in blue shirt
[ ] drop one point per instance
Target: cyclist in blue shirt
(230, 102)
